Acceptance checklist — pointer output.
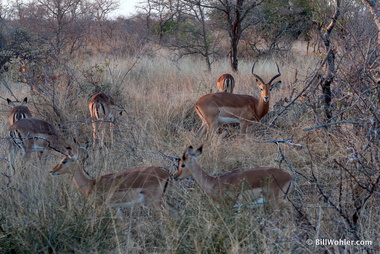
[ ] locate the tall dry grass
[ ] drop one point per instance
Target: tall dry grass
(44, 214)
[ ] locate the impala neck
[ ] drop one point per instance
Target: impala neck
(205, 181)
(81, 179)
(262, 108)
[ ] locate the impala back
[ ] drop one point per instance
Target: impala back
(31, 134)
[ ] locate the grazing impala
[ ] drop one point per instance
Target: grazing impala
(126, 188)
(261, 184)
(226, 83)
(18, 112)
(31, 134)
(102, 109)
(224, 108)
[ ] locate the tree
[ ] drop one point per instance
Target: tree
(374, 8)
(191, 34)
(64, 23)
(235, 17)
(230, 15)
(161, 13)
(375, 11)
(285, 21)
(330, 71)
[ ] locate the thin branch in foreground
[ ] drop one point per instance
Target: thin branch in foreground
(38, 137)
(315, 75)
(175, 161)
(338, 122)
(283, 157)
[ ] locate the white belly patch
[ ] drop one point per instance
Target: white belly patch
(228, 120)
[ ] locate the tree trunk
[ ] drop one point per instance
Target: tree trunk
(375, 11)
(235, 35)
(327, 79)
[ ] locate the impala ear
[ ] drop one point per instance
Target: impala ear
(10, 103)
(176, 162)
(258, 82)
(188, 151)
(72, 158)
(278, 83)
(25, 101)
(199, 151)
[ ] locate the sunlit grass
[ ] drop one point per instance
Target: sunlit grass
(45, 214)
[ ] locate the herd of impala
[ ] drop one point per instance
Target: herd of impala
(148, 184)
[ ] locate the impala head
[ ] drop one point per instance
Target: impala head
(64, 167)
(266, 87)
(18, 112)
(187, 161)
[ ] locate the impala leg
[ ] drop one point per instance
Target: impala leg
(157, 200)
(172, 210)
(212, 127)
(94, 132)
(93, 129)
(12, 151)
(201, 130)
(120, 214)
(113, 131)
(27, 151)
(272, 195)
(141, 199)
(274, 200)
(103, 133)
(100, 132)
(41, 155)
(282, 197)
(244, 125)
(161, 205)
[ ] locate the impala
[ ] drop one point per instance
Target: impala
(226, 83)
(102, 109)
(140, 185)
(31, 135)
(18, 112)
(262, 184)
(224, 108)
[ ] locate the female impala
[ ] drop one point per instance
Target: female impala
(227, 108)
(31, 134)
(102, 109)
(259, 183)
(18, 112)
(226, 83)
(126, 188)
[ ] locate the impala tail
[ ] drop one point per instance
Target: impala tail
(228, 85)
(17, 139)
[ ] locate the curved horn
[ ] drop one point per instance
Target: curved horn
(178, 173)
(255, 75)
(184, 156)
(276, 76)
